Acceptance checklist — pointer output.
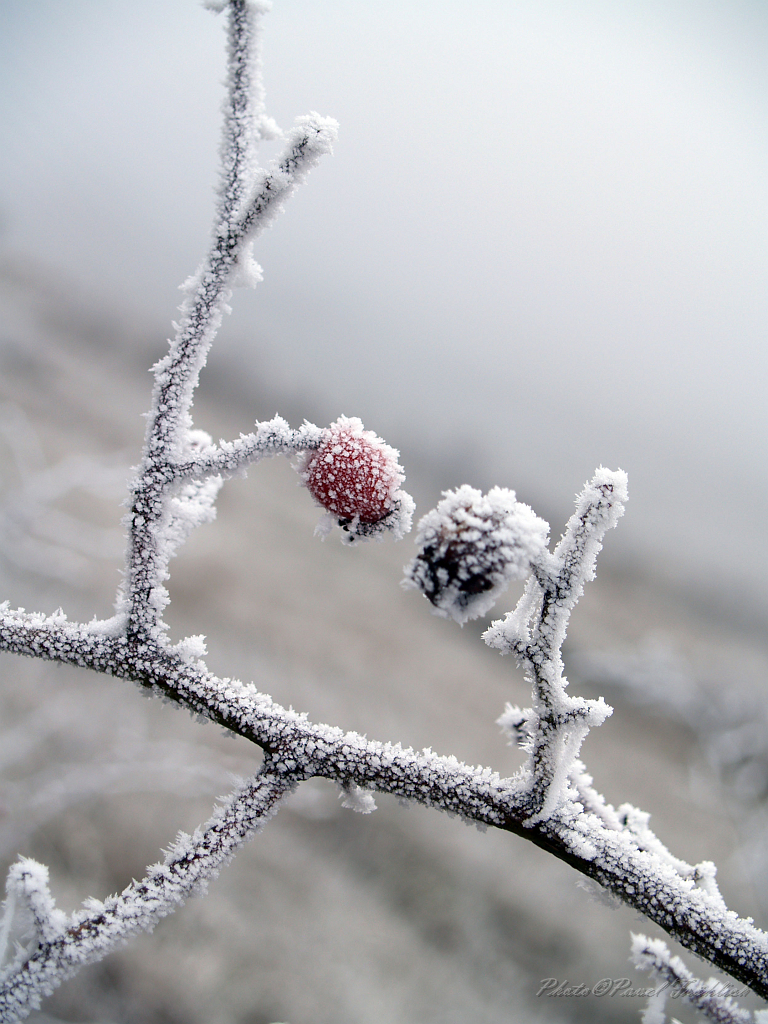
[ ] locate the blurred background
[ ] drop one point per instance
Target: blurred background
(540, 246)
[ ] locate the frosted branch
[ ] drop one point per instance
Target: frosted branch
(60, 946)
(273, 437)
(249, 199)
(710, 997)
(606, 847)
(535, 632)
(29, 909)
(245, 116)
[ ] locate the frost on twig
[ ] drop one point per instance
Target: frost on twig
(30, 916)
(534, 632)
(711, 998)
(57, 946)
(615, 849)
(356, 799)
(471, 547)
(249, 199)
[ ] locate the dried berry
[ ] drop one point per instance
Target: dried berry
(472, 546)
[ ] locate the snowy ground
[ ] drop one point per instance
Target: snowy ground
(329, 917)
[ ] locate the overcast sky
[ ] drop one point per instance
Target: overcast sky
(541, 240)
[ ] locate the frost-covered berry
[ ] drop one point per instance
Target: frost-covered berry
(472, 546)
(356, 477)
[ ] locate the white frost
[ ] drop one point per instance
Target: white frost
(356, 799)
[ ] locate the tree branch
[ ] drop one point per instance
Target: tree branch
(627, 860)
(710, 998)
(59, 947)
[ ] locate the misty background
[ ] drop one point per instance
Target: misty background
(540, 244)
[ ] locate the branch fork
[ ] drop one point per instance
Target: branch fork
(554, 729)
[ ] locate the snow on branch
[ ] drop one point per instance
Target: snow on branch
(273, 437)
(249, 199)
(245, 117)
(615, 849)
(470, 547)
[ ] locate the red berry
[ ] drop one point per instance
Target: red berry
(353, 472)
